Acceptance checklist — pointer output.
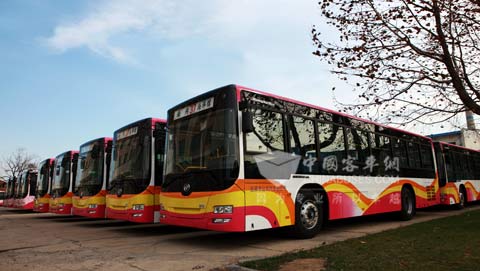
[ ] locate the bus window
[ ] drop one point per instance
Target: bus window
(426, 155)
(358, 149)
(400, 151)
(267, 137)
(414, 155)
(302, 143)
(332, 148)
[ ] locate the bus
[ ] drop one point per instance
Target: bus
(65, 168)
(136, 171)
(92, 176)
(240, 160)
(27, 185)
(458, 174)
(44, 184)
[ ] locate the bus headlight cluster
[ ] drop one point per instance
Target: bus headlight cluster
(138, 207)
(92, 206)
(223, 209)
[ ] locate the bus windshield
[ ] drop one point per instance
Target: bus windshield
(203, 151)
(11, 188)
(42, 184)
(24, 185)
(61, 177)
(18, 186)
(89, 178)
(130, 164)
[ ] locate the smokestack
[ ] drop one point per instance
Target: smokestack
(470, 120)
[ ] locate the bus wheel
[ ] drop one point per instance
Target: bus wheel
(408, 204)
(308, 214)
(462, 194)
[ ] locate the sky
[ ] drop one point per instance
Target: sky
(72, 71)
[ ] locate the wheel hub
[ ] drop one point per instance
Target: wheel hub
(309, 215)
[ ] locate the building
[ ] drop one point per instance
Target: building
(465, 137)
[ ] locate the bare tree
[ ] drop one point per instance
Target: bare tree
(409, 60)
(18, 161)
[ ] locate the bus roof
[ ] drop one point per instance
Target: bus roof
(457, 146)
(239, 88)
(105, 139)
(154, 120)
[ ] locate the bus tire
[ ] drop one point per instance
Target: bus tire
(408, 204)
(309, 214)
(462, 195)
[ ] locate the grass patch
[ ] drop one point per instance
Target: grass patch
(451, 243)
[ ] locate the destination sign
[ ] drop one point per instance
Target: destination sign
(193, 108)
(86, 148)
(127, 133)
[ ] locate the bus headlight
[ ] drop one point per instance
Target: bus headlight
(92, 206)
(223, 209)
(138, 207)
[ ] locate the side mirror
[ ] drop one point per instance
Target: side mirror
(82, 163)
(247, 122)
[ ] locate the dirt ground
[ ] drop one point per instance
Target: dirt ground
(51, 242)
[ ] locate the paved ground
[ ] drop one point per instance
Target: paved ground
(52, 242)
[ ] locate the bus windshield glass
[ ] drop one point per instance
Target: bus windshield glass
(11, 188)
(61, 176)
(42, 184)
(203, 151)
(89, 178)
(24, 185)
(130, 164)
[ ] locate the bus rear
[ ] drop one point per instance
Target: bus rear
(44, 182)
(136, 171)
(92, 176)
(62, 183)
(26, 190)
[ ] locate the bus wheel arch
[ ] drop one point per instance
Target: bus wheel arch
(408, 202)
(311, 211)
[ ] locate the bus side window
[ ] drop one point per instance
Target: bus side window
(267, 137)
(358, 151)
(414, 155)
(400, 152)
(302, 143)
(332, 148)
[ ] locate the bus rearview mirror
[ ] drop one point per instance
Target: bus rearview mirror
(247, 122)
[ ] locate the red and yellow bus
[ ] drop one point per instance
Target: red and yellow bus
(458, 173)
(136, 171)
(239, 160)
(65, 169)
(27, 185)
(92, 177)
(44, 183)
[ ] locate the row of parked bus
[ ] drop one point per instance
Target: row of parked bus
(238, 159)
(75, 182)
